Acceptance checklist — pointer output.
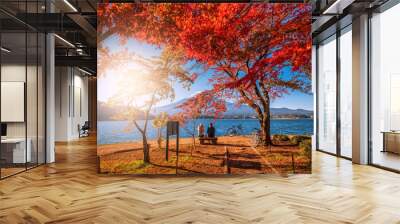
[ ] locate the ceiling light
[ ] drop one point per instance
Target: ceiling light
(327, 11)
(337, 7)
(84, 71)
(5, 50)
(70, 5)
(65, 41)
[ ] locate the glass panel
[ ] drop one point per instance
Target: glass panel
(41, 99)
(32, 88)
(346, 94)
(385, 84)
(13, 86)
(327, 96)
(31, 100)
(22, 88)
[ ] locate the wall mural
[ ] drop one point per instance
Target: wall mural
(204, 88)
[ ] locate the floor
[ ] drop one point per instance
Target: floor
(70, 191)
(5, 172)
(387, 159)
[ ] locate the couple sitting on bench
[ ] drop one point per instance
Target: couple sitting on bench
(210, 134)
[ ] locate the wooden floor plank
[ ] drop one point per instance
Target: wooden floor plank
(70, 191)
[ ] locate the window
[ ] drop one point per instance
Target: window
(385, 89)
(346, 93)
(327, 95)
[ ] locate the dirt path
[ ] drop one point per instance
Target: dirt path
(204, 159)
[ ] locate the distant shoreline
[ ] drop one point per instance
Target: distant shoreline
(233, 119)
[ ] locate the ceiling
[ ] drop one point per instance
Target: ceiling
(73, 21)
(331, 15)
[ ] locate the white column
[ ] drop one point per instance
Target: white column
(360, 90)
(63, 100)
(50, 99)
(314, 91)
(50, 92)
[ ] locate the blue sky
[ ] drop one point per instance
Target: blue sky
(294, 100)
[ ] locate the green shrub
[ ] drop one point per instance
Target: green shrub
(280, 138)
(296, 139)
(305, 147)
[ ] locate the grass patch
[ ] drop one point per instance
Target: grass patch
(185, 159)
(305, 147)
(138, 166)
(182, 159)
(280, 138)
(296, 139)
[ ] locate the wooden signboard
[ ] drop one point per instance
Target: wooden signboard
(173, 129)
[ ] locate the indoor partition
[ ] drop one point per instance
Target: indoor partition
(22, 87)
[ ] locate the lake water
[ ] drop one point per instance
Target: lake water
(112, 131)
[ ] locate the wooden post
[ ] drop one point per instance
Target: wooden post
(228, 166)
(98, 164)
(177, 149)
(293, 166)
(166, 147)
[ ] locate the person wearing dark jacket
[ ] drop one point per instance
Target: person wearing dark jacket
(211, 131)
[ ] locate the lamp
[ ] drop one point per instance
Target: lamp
(5, 50)
(64, 40)
(70, 5)
(84, 71)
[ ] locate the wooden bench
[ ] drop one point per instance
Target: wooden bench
(210, 140)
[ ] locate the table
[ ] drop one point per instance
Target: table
(13, 150)
(391, 141)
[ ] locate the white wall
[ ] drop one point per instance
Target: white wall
(71, 102)
(15, 72)
(80, 110)
(62, 81)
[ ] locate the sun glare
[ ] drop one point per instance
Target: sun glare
(126, 86)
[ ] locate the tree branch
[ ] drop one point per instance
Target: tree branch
(247, 100)
(138, 127)
(148, 111)
(263, 100)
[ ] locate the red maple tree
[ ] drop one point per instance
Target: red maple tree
(204, 104)
(257, 52)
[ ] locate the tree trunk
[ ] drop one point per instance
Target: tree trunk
(193, 139)
(265, 123)
(146, 153)
(265, 130)
(193, 144)
(159, 138)
(266, 118)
